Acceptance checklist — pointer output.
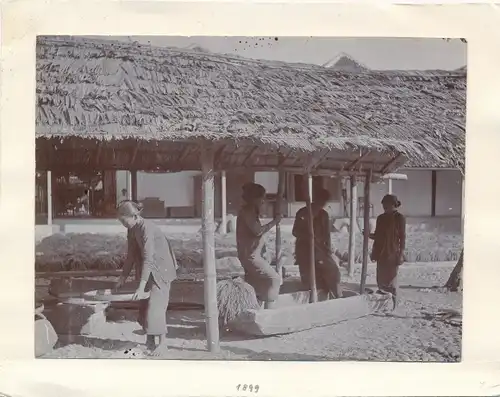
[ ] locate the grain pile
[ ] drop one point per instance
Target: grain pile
(105, 252)
(234, 296)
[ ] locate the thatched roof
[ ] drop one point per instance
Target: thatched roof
(92, 90)
(344, 62)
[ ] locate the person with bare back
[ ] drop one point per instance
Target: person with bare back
(155, 268)
(250, 240)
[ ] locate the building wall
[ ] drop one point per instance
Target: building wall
(174, 189)
(448, 193)
(415, 193)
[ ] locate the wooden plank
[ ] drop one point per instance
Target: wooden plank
(366, 228)
(208, 235)
(134, 184)
(352, 226)
(279, 201)
(223, 226)
(312, 258)
(302, 317)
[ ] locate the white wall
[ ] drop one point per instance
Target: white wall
(415, 193)
(122, 182)
(175, 189)
(448, 193)
(268, 179)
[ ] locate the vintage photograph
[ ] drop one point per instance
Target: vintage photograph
(249, 198)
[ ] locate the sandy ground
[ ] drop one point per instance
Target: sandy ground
(404, 335)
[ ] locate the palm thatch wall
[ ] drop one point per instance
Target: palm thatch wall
(125, 105)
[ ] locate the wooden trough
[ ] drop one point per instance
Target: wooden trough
(294, 313)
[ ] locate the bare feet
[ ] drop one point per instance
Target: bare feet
(150, 343)
(160, 350)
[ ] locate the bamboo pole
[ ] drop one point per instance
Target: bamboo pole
(462, 209)
(223, 225)
(366, 232)
(49, 198)
(133, 188)
(352, 225)
(312, 257)
(279, 200)
(208, 232)
(129, 185)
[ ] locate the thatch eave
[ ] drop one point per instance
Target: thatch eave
(114, 91)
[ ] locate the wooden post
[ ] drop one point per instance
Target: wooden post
(366, 234)
(49, 198)
(208, 232)
(312, 257)
(133, 188)
(279, 200)
(352, 225)
(223, 225)
(462, 209)
(129, 185)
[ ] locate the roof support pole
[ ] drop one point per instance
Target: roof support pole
(278, 207)
(462, 209)
(312, 256)
(49, 198)
(133, 188)
(353, 206)
(129, 185)
(223, 193)
(366, 231)
(208, 233)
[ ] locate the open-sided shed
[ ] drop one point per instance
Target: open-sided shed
(117, 105)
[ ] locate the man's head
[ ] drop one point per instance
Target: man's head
(390, 203)
(254, 194)
(321, 197)
(128, 213)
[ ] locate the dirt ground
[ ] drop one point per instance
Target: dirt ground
(404, 335)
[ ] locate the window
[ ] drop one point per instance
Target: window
(84, 194)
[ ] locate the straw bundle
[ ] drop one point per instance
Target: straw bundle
(234, 297)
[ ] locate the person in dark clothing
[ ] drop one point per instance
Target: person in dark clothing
(389, 245)
(327, 267)
(155, 268)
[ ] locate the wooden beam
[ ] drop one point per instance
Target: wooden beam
(366, 232)
(208, 232)
(462, 209)
(353, 165)
(223, 193)
(250, 154)
(390, 163)
(353, 206)
(98, 155)
(134, 184)
(134, 154)
(218, 156)
(312, 256)
(433, 192)
(49, 198)
(279, 200)
(316, 160)
(184, 154)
